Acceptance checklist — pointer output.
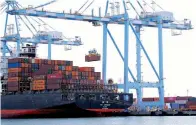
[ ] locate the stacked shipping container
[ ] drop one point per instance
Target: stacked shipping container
(191, 103)
(42, 74)
(178, 103)
(18, 73)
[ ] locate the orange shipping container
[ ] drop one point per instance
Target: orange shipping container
(23, 65)
(14, 79)
(91, 78)
(192, 107)
(165, 107)
(89, 69)
(14, 70)
(62, 62)
(75, 77)
(156, 99)
(84, 69)
(55, 62)
(40, 82)
(68, 68)
(59, 72)
(75, 73)
(38, 87)
(49, 62)
(39, 61)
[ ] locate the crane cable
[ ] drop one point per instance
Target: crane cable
(82, 5)
(88, 6)
(141, 6)
(157, 5)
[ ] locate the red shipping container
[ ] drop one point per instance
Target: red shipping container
(92, 74)
(156, 99)
(183, 97)
(81, 81)
(54, 81)
(12, 89)
(148, 99)
(53, 86)
(14, 74)
(69, 81)
(12, 84)
(99, 74)
(169, 99)
(39, 77)
(191, 103)
(57, 75)
(14, 60)
(85, 81)
(87, 58)
(88, 81)
(82, 69)
(64, 81)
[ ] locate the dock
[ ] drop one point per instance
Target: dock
(151, 113)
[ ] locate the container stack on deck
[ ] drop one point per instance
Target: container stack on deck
(4, 73)
(42, 74)
(18, 72)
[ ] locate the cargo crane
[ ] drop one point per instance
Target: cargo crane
(160, 20)
(38, 36)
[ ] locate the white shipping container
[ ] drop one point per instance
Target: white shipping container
(181, 101)
(168, 105)
(33, 61)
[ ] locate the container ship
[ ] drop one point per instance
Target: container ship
(36, 87)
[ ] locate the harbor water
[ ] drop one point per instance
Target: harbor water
(175, 120)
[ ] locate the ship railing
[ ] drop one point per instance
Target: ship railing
(114, 98)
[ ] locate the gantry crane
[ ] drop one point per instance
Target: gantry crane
(38, 36)
(158, 20)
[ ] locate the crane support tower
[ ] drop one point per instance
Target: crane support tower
(160, 20)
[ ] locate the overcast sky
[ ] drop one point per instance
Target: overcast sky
(179, 59)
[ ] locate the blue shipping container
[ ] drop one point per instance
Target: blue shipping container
(192, 99)
(59, 68)
(14, 65)
(63, 67)
(174, 105)
(35, 66)
(182, 106)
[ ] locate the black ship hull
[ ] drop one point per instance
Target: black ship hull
(56, 105)
(104, 103)
(36, 105)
